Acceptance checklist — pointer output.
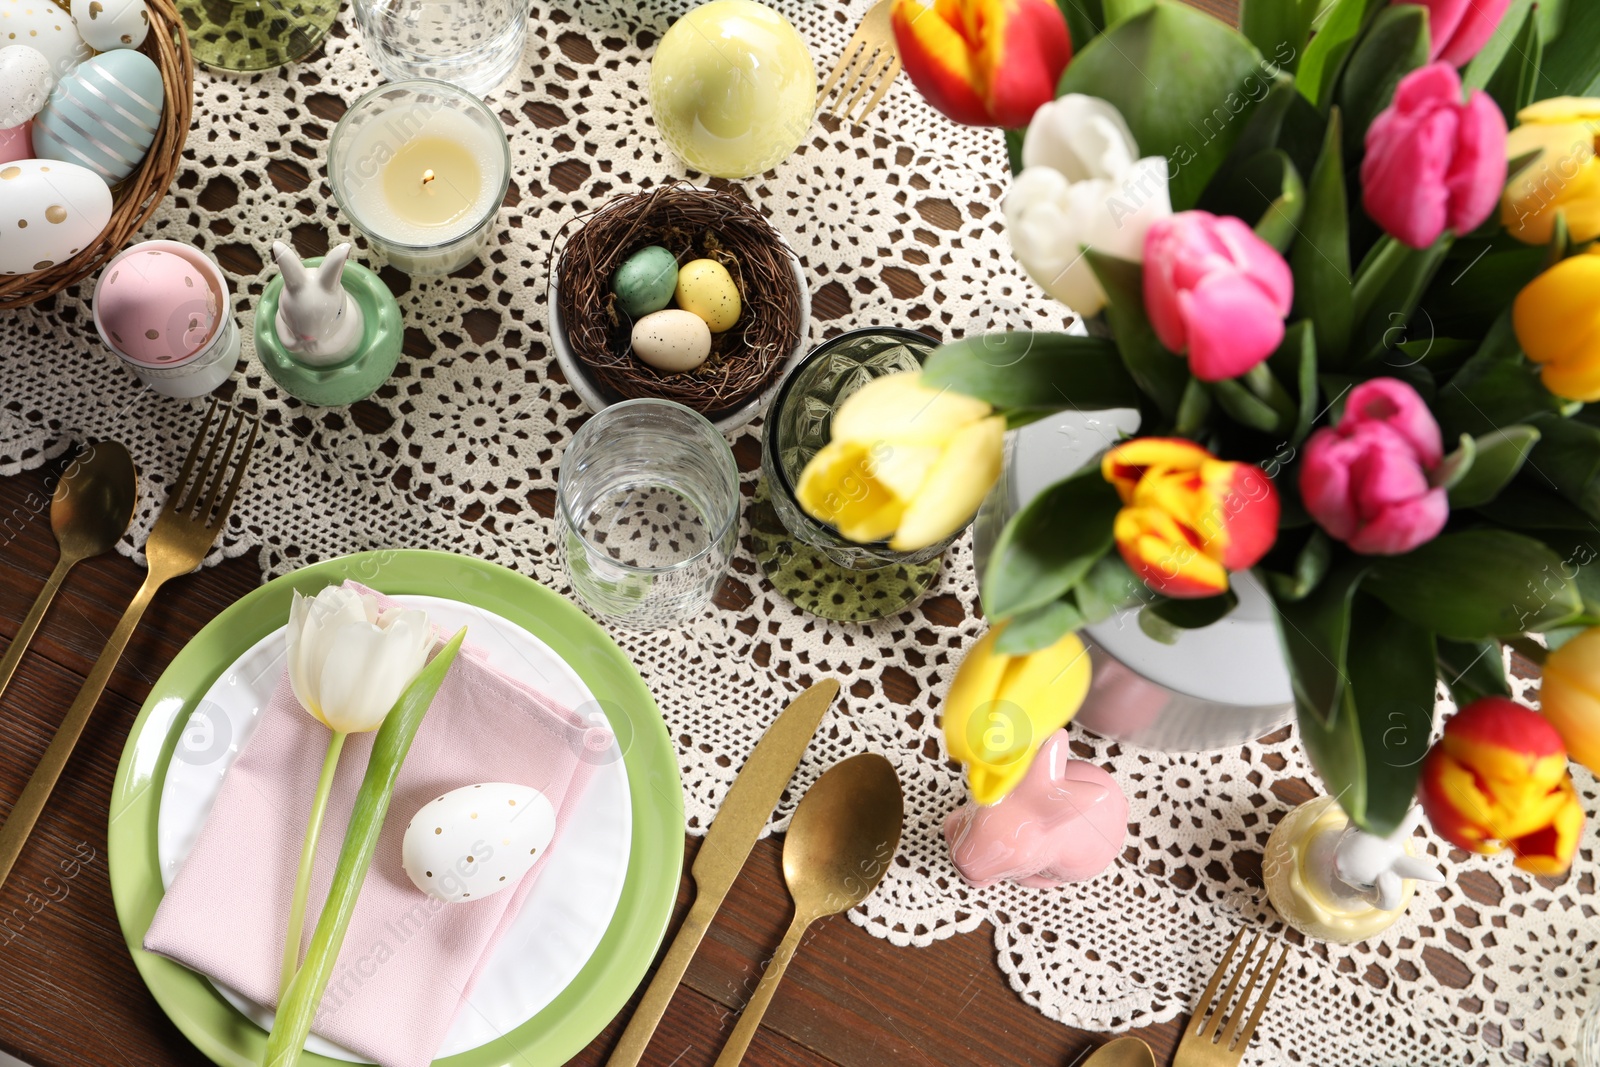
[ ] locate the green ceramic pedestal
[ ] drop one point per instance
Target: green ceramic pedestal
(357, 377)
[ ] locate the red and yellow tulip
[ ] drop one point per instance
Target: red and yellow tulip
(983, 62)
(1498, 779)
(1188, 518)
(1569, 696)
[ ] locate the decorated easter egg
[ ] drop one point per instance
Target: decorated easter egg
(25, 83)
(16, 143)
(645, 281)
(42, 25)
(156, 306)
(706, 288)
(733, 88)
(104, 115)
(672, 340)
(109, 24)
(477, 840)
(49, 212)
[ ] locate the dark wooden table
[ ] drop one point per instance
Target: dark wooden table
(69, 993)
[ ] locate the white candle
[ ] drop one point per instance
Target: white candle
(421, 169)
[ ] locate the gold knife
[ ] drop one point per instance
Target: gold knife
(733, 834)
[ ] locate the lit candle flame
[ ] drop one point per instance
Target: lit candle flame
(427, 176)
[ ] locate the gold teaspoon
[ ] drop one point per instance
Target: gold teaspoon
(840, 843)
(90, 510)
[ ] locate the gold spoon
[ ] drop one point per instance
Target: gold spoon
(91, 509)
(1123, 1052)
(840, 843)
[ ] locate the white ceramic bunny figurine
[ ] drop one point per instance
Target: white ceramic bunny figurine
(1337, 883)
(317, 320)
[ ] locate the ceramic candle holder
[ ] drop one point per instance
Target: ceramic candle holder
(162, 308)
(420, 168)
(328, 331)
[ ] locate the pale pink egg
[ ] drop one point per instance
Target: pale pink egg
(156, 307)
(16, 143)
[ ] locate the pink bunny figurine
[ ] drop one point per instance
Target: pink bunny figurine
(1064, 822)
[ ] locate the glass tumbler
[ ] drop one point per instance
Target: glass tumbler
(648, 504)
(809, 562)
(473, 44)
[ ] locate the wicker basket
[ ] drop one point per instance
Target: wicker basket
(136, 198)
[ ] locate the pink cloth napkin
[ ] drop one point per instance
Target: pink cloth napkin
(408, 961)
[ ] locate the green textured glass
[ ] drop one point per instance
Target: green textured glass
(255, 34)
(808, 561)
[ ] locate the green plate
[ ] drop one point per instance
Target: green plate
(604, 984)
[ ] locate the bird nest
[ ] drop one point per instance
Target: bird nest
(692, 223)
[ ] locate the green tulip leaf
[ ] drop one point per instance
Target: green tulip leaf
(1477, 584)
(1571, 63)
(1496, 387)
(1315, 631)
(1161, 375)
(1247, 409)
(1310, 567)
(1085, 20)
(1516, 82)
(1389, 287)
(1296, 361)
(1278, 28)
(1474, 283)
(1039, 628)
(1266, 188)
(1396, 45)
(1192, 409)
(1472, 669)
(1526, 506)
(1267, 125)
(1192, 613)
(1330, 48)
(1567, 457)
(1185, 82)
(1370, 754)
(1108, 588)
(1499, 456)
(1158, 629)
(1320, 259)
(1018, 371)
(1497, 50)
(1456, 465)
(1050, 545)
(1123, 10)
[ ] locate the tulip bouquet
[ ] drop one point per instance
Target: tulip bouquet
(1337, 260)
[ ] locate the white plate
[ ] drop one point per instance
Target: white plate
(563, 918)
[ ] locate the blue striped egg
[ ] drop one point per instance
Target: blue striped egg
(104, 115)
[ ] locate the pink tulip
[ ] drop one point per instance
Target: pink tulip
(1215, 292)
(1459, 28)
(1366, 480)
(1433, 162)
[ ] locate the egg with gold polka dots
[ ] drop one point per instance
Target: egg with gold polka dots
(42, 25)
(49, 212)
(477, 840)
(109, 24)
(155, 307)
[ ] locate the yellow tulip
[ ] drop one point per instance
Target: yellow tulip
(1557, 319)
(906, 463)
(1564, 179)
(1569, 696)
(1001, 709)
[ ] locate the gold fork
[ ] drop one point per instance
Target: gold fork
(183, 534)
(1210, 1043)
(872, 63)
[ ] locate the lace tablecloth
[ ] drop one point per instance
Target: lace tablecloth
(898, 224)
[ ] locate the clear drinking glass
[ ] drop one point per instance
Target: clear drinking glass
(648, 503)
(474, 44)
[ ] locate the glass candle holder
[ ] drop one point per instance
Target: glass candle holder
(808, 561)
(420, 168)
(648, 504)
(474, 44)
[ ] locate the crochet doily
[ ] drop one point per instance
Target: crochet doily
(898, 224)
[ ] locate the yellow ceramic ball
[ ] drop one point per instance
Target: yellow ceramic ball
(733, 88)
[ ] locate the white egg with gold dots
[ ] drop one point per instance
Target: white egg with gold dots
(42, 25)
(477, 840)
(111, 24)
(49, 212)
